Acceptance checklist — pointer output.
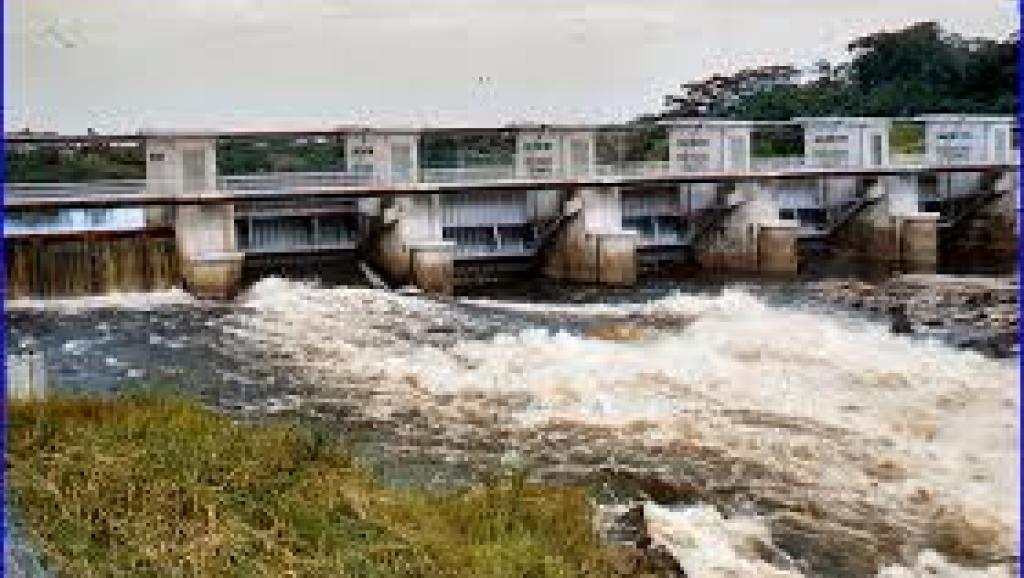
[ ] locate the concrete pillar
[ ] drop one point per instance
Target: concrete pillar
(776, 249)
(408, 245)
(383, 157)
(210, 263)
(1002, 217)
(890, 228)
(919, 242)
(748, 236)
(989, 230)
(591, 246)
(433, 266)
(616, 257)
(917, 230)
(405, 240)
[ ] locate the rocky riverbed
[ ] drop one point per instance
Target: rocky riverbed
(972, 312)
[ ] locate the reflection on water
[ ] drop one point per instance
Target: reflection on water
(841, 447)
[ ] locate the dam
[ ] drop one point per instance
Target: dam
(556, 201)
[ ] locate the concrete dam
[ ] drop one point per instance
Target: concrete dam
(545, 200)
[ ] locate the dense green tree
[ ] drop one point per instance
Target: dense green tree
(920, 69)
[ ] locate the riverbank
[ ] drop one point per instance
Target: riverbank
(161, 487)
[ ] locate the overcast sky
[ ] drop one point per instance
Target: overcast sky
(130, 64)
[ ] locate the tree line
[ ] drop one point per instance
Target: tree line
(917, 70)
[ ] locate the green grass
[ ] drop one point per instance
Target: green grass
(162, 487)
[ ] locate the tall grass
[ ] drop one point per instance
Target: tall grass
(162, 487)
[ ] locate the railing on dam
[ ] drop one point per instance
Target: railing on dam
(909, 159)
(286, 181)
(292, 180)
(467, 174)
(777, 163)
(634, 169)
(75, 188)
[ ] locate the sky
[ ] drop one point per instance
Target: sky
(125, 65)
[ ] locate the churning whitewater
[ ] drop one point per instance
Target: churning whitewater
(783, 429)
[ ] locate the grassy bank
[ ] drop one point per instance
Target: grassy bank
(153, 487)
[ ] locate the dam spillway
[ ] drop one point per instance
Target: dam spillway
(555, 208)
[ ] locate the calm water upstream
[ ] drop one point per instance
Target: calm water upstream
(784, 439)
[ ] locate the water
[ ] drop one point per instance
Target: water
(97, 263)
(785, 440)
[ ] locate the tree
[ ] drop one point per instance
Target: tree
(920, 69)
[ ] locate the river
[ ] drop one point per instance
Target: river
(778, 437)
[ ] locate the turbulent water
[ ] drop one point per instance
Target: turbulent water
(780, 441)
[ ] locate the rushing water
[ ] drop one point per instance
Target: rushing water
(785, 441)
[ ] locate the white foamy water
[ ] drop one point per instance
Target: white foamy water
(136, 301)
(930, 564)
(864, 424)
(708, 545)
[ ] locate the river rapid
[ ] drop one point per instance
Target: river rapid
(766, 437)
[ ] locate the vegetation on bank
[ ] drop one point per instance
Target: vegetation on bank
(163, 487)
(917, 70)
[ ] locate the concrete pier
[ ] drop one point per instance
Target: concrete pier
(407, 245)
(209, 261)
(744, 234)
(591, 246)
(1002, 216)
(776, 249)
(983, 225)
(213, 275)
(405, 238)
(886, 226)
(919, 242)
(433, 266)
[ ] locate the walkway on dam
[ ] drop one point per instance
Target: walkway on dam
(312, 186)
